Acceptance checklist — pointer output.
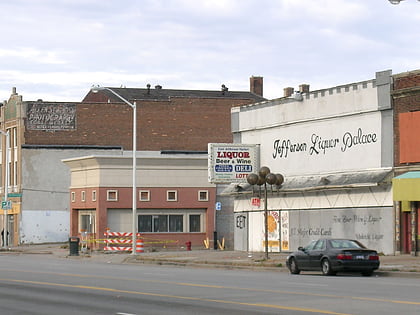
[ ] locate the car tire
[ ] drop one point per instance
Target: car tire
(293, 267)
(367, 273)
(326, 268)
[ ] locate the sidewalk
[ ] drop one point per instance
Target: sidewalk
(402, 265)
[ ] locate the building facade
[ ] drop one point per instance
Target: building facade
(175, 202)
(334, 148)
(41, 134)
(406, 184)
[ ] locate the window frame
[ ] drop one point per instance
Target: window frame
(206, 198)
(152, 218)
(174, 192)
(144, 192)
(108, 195)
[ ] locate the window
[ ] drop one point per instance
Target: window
(171, 221)
(195, 224)
(203, 195)
(176, 223)
(144, 195)
(93, 195)
(15, 144)
(161, 223)
(73, 196)
(87, 221)
(171, 195)
(83, 196)
(112, 195)
(320, 245)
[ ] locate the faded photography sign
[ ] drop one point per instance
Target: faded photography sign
(232, 163)
(51, 116)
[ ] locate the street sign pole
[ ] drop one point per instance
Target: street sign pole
(6, 189)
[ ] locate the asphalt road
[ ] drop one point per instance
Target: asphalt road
(42, 284)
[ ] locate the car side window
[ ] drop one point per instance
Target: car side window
(311, 245)
(320, 245)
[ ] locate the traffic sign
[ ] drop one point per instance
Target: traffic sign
(6, 205)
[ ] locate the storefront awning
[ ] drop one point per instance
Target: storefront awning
(339, 180)
(406, 187)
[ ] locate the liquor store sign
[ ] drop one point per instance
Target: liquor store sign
(232, 163)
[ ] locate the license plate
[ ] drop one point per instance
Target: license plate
(359, 257)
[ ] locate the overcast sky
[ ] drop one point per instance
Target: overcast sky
(56, 50)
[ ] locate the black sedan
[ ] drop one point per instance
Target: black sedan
(333, 255)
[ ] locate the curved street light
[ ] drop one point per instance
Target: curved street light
(96, 89)
(265, 177)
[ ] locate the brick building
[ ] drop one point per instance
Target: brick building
(42, 134)
(406, 185)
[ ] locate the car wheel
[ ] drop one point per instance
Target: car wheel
(293, 266)
(367, 273)
(326, 268)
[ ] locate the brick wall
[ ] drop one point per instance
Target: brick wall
(406, 98)
(177, 124)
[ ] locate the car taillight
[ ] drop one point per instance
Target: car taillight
(373, 257)
(344, 256)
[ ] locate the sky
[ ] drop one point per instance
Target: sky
(56, 50)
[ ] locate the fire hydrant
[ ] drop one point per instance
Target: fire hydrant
(188, 244)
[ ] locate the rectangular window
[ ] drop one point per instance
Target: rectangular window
(93, 195)
(162, 223)
(203, 195)
(83, 195)
(144, 195)
(112, 195)
(145, 223)
(87, 222)
(171, 195)
(73, 196)
(15, 137)
(195, 224)
(176, 223)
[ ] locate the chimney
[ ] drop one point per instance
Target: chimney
(14, 91)
(256, 85)
(304, 88)
(288, 91)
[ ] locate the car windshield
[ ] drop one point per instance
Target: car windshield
(345, 244)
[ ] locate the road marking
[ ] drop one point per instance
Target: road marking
(223, 287)
(290, 308)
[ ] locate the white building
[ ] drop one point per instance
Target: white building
(334, 148)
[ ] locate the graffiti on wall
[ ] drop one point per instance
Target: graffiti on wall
(51, 116)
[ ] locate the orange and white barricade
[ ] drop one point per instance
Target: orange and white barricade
(118, 241)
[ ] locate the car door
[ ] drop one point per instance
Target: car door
(303, 257)
(316, 254)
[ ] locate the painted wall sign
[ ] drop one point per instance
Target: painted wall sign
(51, 116)
(371, 226)
(231, 163)
(337, 144)
(317, 145)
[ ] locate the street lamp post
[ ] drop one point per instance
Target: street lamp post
(265, 177)
(6, 189)
(134, 204)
